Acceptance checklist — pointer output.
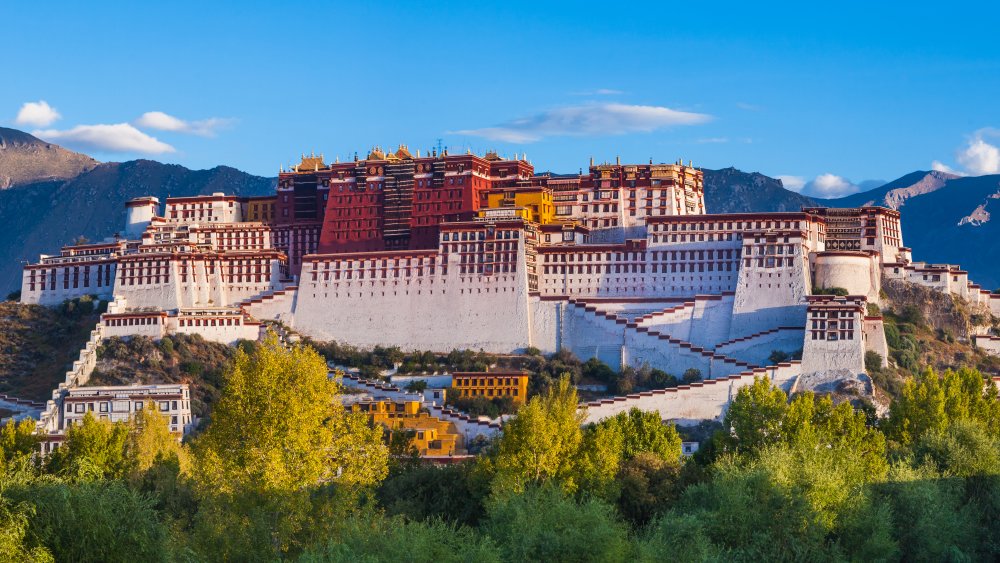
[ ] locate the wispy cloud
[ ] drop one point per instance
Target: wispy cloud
(977, 157)
(748, 107)
(165, 122)
(37, 114)
(712, 140)
(599, 92)
(119, 137)
(588, 120)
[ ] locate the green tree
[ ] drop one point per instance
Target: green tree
(93, 449)
(375, 538)
(150, 442)
(644, 431)
(648, 484)
(17, 439)
(930, 403)
(541, 443)
(93, 521)
(543, 524)
(754, 417)
(277, 462)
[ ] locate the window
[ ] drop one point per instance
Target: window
(164, 405)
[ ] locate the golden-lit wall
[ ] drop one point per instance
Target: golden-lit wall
(492, 385)
(431, 435)
(538, 201)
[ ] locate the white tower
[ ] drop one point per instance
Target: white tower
(139, 212)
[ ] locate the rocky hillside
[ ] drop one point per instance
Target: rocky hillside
(895, 193)
(25, 159)
(38, 345)
(733, 191)
(40, 217)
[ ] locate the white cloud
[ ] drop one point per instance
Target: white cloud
(980, 157)
(712, 140)
(977, 158)
(794, 183)
(37, 114)
(830, 186)
(748, 107)
(942, 167)
(588, 120)
(165, 122)
(119, 137)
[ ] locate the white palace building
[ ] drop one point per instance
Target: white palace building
(623, 263)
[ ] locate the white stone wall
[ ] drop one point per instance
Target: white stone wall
(875, 341)
(69, 272)
(988, 344)
(691, 404)
(858, 273)
(826, 355)
(437, 312)
(757, 348)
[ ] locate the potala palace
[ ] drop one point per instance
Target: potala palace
(444, 251)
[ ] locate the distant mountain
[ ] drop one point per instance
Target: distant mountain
(733, 191)
(957, 222)
(25, 159)
(895, 193)
(40, 217)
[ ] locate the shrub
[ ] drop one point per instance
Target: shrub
(873, 361)
(838, 291)
(691, 375)
(778, 356)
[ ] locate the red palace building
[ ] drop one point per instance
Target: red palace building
(388, 201)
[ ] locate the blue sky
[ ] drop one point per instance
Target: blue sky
(827, 95)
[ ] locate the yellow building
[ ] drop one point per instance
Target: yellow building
(533, 203)
(259, 209)
(431, 435)
(492, 384)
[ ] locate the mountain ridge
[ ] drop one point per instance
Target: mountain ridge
(26, 159)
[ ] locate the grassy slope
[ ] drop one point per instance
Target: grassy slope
(37, 346)
(175, 359)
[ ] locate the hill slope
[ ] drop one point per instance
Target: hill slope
(25, 159)
(733, 191)
(41, 216)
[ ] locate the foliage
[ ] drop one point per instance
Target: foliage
(543, 524)
(396, 539)
(873, 361)
(453, 493)
(490, 407)
(838, 291)
(93, 449)
(100, 520)
(17, 439)
(417, 386)
(540, 444)
(930, 403)
(277, 434)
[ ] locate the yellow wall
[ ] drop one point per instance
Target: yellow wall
(490, 385)
(432, 436)
(537, 200)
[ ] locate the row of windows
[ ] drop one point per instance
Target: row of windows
(133, 321)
